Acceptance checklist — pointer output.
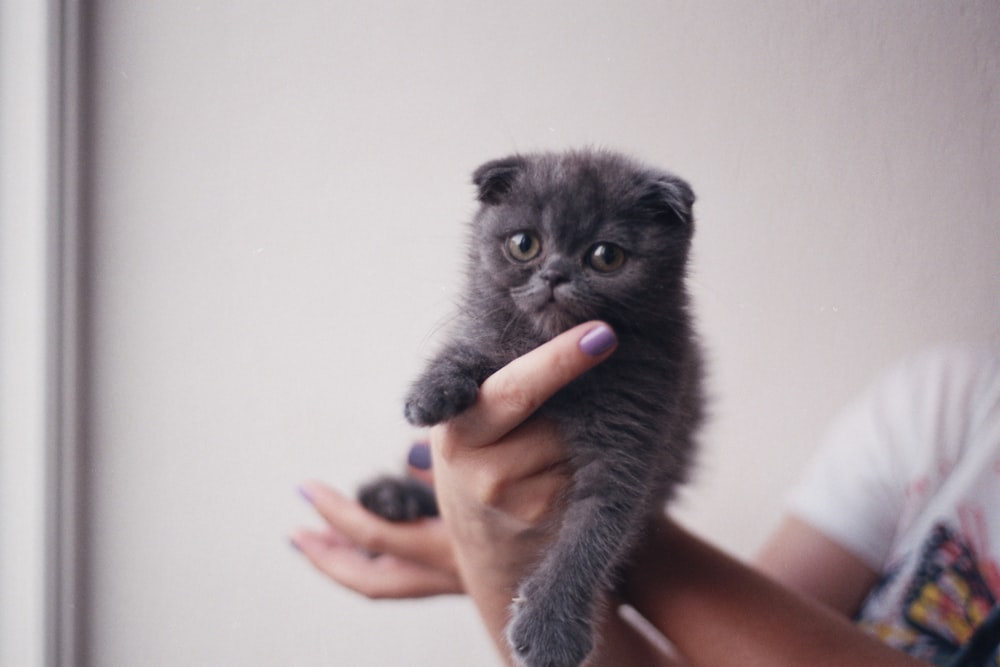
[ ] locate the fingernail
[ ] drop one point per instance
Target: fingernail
(306, 495)
(598, 340)
(420, 456)
(294, 544)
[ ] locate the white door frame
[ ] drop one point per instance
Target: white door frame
(40, 331)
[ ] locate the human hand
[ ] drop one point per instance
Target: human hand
(499, 475)
(375, 557)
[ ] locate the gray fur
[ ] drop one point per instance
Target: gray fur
(629, 423)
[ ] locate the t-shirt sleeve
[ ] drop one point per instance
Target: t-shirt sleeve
(888, 450)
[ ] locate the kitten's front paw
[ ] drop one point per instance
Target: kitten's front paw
(398, 498)
(431, 403)
(542, 635)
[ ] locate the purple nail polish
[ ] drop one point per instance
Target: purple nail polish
(306, 495)
(420, 456)
(598, 340)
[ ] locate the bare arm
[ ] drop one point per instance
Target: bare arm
(720, 612)
(806, 561)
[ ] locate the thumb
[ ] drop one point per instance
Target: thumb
(418, 463)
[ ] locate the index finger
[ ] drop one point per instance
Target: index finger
(406, 539)
(514, 392)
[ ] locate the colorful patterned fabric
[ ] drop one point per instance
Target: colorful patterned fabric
(909, 481)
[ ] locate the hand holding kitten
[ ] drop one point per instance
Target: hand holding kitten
(492, 459)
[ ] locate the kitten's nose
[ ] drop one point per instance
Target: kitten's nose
(553, 277)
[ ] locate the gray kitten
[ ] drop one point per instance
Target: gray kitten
(561, 239)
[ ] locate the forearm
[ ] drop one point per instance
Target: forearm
(719, 612)
(804, 559)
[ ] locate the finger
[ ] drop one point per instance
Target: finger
(423, 541)
(535, 499)
(513, 393)
(425, 476)
(383, 576)
(531, 449)
(522, 473)
(418, 463)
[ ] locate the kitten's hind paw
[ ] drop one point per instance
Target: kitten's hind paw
(398, 498)
(429, 404)
(543, 637)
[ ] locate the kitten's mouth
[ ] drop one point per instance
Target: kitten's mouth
(549, 308)
(549, 302)
(552, 315)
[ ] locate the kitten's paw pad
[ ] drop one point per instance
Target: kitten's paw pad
(398, 498)
(540, 636)
(430, 405)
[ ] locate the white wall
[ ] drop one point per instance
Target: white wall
(277, 197)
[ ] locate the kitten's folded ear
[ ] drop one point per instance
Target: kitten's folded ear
(666, 194)
(495, 179)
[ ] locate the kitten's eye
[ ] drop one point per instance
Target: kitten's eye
(606, 257)
(523, 246)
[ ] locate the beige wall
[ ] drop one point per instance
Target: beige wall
(277, 195)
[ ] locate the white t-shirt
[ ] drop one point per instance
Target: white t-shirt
(908, 480)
